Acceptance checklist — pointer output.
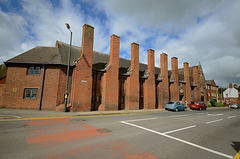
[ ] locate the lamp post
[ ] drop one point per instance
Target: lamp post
(69, 57)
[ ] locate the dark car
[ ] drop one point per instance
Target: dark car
(197, 105)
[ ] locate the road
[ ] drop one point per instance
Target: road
(211, 134)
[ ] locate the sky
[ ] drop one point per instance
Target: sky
(205, 31)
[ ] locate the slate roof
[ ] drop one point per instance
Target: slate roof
(59, 56)
(208, 82)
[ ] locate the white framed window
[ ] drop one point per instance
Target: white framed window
(34, 71)
(30, 93)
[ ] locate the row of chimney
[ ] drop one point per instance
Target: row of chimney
(82, 79)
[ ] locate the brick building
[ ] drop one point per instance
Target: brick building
(36, 79)
(212, 90)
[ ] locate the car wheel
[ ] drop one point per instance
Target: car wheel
(200, 108)
(176, 110)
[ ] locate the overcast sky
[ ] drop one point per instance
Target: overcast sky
(192, 30)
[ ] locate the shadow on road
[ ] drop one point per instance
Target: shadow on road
(236, 146)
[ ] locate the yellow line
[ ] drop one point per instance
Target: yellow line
(237, 155)
(33, 118)
(76, 116)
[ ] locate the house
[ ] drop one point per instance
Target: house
(37, 79)
(212, 90)
(231, 95)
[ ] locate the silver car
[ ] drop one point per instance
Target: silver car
(235, 106)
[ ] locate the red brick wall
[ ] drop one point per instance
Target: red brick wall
(110, 82)
(149, 84)
(62, 85)
(14, 90)
(82, 73)
(174, 87)
(132, 92)
(232, 100)
(53, 91)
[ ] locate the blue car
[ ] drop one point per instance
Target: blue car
(174, 105)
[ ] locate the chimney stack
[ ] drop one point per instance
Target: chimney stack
(82, 73)
(132, 90)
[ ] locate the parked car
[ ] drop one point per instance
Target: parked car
(197, 105)
(235, 106)
(174, 105)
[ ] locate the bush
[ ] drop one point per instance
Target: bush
(213, 103)
(209, 104)
(219, 104)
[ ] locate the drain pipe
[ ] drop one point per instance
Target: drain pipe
(43, 79)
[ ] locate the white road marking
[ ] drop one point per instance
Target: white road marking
(231, 117)
(215, 114)
(214, 121)
(201, 113)
(5, 116)
(140, 119)
(175, 116)
(168, 132)
(180, 140)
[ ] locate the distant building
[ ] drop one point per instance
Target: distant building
(212, 90)
(231, 95)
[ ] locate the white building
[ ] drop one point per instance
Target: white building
(230, 95)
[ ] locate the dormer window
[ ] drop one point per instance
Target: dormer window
(34, 71)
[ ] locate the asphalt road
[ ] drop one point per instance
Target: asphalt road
(211, 134)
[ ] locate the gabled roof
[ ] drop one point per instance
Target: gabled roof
(210, 82)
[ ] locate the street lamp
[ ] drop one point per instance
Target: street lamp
(69, 57)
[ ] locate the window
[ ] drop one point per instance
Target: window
(30, 93)
(34, 70)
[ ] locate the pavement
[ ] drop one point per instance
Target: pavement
(27, 113)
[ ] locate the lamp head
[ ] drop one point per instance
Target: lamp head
(67, 25)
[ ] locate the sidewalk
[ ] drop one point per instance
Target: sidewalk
(27, 113)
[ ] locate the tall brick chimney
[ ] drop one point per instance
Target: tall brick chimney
(163, 87)
(174, 87)
(132, 88)
(82, 73)
(149, 84)
(187, 85)
(110, 78)
(230, 85)
(196, 91)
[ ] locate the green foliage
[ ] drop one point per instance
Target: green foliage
(209, 104)
(214, 103)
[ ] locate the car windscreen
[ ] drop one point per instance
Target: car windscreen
(170, 103)
(194, 103)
